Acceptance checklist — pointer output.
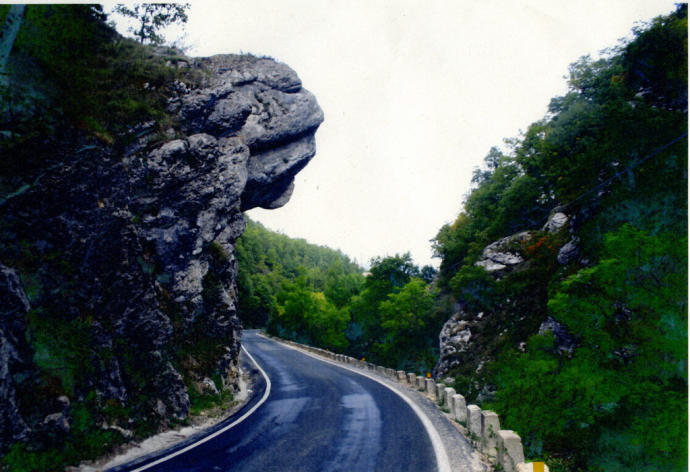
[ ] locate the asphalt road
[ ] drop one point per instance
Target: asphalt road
(315, 417)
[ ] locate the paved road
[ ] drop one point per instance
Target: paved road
(316, 417)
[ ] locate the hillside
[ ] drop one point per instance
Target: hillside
(316, 295)
(126, 169)
(128, 268)
(567, 268)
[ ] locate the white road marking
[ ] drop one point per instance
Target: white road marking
(442, 460)
(220, 431)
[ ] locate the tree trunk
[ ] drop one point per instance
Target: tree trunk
(10, 29)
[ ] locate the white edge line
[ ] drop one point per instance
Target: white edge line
(442, 460)
(220, 431)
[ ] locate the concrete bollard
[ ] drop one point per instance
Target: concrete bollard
(474, 422)
(412, 379)
(532, 467)
(459, 408)
(448, 393)
(390, 372)
(440, 387)
(421, 382)
(400, 375)
(510, 452)
(490, 429)
(430, 386)
(380, 370)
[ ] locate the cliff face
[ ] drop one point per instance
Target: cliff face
(118, 273)
(472, 335)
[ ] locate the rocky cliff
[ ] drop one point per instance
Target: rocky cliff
(472, 335)
(117, 265)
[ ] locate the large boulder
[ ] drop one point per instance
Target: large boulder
(131, 251)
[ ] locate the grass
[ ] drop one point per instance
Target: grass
(87, 440)
(462, 423)
(200, 403)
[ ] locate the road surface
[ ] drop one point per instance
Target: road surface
(311, 416)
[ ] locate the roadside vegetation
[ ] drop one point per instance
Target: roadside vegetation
(71, 72)
(71, 78)
(315, 295)
(612, 154)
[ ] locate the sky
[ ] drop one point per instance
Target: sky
(414, 93)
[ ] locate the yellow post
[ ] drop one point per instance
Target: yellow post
(537, 467)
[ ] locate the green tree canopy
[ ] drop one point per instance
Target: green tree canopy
(152, 18)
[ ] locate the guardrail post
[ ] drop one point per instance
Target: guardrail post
(440, 387)
(532, 467)
(448, 393)
(430, 386)
(474, 422)
(490, 429)
(510, 452)
(459, 408)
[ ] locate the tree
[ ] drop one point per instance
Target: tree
(623, 391)
(428, 273)
(405, 319)
(152, 17)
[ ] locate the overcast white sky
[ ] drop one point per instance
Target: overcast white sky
(414, 95)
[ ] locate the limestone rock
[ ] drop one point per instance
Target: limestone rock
(14, 355)
(207, 386)
(503, 255)
(57, 422)
(565, 342)
(136, 245)
(454, 340)
(569, 252)
(556, 221)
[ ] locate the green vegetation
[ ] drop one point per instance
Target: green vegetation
(612, 153)
(69, 68)
(267, 260)
(152, 17)
(72, 79)
(317, 296)
(202, 402)
(87, 440)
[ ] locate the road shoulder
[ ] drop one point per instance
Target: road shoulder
(458, 450)
(130, 454)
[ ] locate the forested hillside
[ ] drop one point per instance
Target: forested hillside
(576, 332)
(317, 296)
(563, 282)
(269, 260)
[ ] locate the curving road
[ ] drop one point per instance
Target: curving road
(316, 417)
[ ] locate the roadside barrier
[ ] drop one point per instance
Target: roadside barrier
(482, 428)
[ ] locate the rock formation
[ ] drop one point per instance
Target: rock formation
(466, 338)
(118, 264)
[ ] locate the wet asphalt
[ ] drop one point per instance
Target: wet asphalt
(316, 418)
